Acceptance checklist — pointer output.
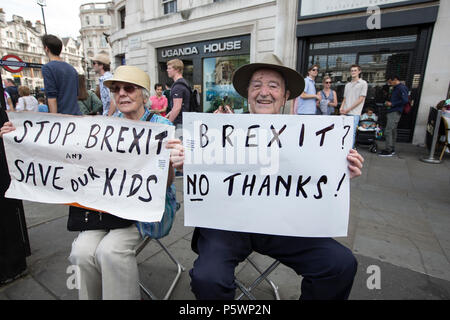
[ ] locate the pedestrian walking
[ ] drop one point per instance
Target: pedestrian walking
(13, 91)
(60, 79)
(89, 103)
(159, 101)
(26, 101)
(355, 93)
(180, 95)
(306, 102)
(399, 98)
(102, 66)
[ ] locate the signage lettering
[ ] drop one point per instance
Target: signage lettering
(207, 48)
(224, 46)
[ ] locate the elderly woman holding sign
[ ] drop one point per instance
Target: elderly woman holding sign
(103, 252)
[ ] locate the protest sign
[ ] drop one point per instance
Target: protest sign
(110, 164)
(272, 174)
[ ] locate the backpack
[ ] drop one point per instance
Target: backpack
(194, 98)
(407, 107)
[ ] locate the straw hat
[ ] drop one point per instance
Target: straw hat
(294, 81)
(103, 58)
(130, 74)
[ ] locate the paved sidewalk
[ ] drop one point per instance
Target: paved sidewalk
(399, 223)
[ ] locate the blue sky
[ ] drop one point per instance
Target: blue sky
(61, 16)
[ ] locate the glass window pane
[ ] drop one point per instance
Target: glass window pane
(217, 85)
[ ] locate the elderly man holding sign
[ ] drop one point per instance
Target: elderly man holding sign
(327, 267)
(103, 252)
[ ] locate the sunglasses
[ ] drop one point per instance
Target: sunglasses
(128, 88)
(327, 82)
(315, 69)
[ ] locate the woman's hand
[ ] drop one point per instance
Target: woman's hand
(355, 163)
(7, 127)
(176, 153)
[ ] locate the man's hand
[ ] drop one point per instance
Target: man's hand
(355, 163)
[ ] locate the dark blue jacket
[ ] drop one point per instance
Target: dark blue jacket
(399, 98)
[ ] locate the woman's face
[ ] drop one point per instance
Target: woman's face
(128, 98)
(327, 83)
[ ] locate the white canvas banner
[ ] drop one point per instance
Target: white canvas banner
(272, 174)
(110, 164)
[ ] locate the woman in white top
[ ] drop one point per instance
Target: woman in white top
(26, 102)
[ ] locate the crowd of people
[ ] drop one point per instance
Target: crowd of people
(325, 102)
(105, 256)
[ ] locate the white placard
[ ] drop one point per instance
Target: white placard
(109, 164)
(271, 174)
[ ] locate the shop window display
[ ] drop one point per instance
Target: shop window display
(217, 83)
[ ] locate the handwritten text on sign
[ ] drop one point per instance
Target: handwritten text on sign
(271, 174)
(110, 164)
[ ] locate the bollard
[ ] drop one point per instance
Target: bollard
(431, 158)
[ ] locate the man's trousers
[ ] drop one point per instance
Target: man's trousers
(327, 267)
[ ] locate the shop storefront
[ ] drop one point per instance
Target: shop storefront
(208, 67)
(397, 44)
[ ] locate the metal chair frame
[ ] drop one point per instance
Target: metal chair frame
(180, 269)
(264, 274)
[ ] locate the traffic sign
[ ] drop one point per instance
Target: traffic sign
(12, 63)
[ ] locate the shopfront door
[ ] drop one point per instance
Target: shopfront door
(376, 68)
(379, 54)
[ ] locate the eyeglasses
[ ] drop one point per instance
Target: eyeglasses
(315, 69)
(128, 88)
(327, 82)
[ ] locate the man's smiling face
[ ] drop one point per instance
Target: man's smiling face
(266, 92)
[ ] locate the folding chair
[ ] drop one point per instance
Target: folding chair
(180, 268)
(246, 290)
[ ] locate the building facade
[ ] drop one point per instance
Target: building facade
(385, 37)
(95, 21)
(213, 38)
(20, 38)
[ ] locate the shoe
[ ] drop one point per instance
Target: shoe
(386, 153)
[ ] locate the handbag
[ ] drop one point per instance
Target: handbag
(156, 230)
(159, 229)
(81, 219)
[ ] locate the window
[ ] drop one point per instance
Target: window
(87, 20)
(122, 18)
(170, 6)
(100, 19)
(103, 42)
(217, 83)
